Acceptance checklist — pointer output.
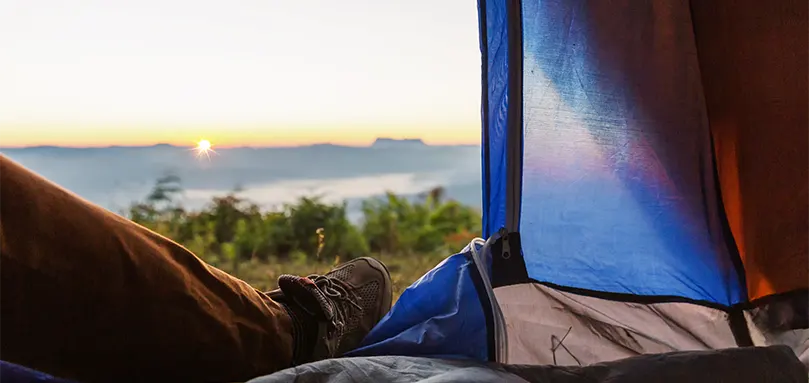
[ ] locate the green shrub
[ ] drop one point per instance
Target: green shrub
(234, 234)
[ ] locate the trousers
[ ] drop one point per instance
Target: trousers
(86, 294)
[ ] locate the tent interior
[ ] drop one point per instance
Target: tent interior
(646, 204)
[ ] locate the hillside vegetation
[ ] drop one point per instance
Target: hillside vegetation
(310, 235)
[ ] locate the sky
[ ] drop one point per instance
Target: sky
(238, 72)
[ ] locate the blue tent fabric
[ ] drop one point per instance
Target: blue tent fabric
(14, 373)
(617, 192)
(440, 315)
(494, 50)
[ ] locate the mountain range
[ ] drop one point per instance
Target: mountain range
(116, 176)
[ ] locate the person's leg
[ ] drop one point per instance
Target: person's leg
(90, 295)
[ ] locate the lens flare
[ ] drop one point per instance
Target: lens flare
(204, 148)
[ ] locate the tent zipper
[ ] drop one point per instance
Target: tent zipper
(514, 119)
(481, 258)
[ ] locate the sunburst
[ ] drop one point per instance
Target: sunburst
(204, 148)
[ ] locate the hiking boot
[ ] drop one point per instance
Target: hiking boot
(332, 313)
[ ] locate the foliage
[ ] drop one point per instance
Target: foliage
(394, 225)
(310, 235)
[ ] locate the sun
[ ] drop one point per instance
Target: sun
(204, 148)
(204, 145)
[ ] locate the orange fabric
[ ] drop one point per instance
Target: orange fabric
(89, 295)
(753, 59)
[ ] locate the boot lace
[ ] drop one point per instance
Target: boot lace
(339, 293)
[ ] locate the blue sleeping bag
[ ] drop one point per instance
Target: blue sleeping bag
(14, 373)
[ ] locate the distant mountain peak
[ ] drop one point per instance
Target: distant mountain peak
(393, 142)
(160, 145)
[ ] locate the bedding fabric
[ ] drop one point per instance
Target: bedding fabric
(738, 365)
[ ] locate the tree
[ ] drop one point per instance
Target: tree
(166, 189)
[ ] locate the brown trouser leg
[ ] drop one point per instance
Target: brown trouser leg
(89, 295)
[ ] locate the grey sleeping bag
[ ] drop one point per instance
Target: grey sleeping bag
(776, 364)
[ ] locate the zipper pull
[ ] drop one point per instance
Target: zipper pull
(505, 252)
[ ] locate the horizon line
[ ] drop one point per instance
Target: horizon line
(291, 146)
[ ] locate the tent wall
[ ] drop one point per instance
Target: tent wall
(494, 109)
(660, 153)
(753, 59)
(618, 189)
(548, 326)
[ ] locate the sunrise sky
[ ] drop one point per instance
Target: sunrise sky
(246, 72)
